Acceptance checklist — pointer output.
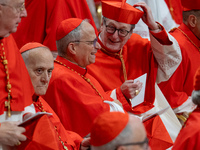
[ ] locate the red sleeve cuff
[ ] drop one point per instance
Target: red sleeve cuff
(122, 99)
(161, 36)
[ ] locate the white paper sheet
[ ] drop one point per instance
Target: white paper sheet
(145, 118)
(140, 97)
(38, 114)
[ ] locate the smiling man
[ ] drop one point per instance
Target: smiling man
(76, 96)
(125, 56)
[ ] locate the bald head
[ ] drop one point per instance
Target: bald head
(39, 63)
(137, 127)
(111, 134)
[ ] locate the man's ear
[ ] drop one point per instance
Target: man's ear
(192, 21)
(71, 48)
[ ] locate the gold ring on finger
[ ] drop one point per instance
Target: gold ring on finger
(137, 92)
(18, 143)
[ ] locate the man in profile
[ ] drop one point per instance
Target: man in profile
(16, 88)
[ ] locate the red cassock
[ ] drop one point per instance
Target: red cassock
(21, 86)
(76, 102)
(180, 85)
(175, 9)
(43, 18)
(189, 135)
(138, 58)
(44, 133)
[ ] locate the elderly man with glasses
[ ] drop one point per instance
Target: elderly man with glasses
(125, 56)
(15, 88)
(76, 96)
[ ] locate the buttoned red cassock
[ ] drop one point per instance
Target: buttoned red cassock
(44, 17)
(21, 86)
(74, 100)
(139, 59)
(180, 85)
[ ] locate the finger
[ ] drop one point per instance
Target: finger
(21, 129)
(140, 85)
(18, 143)
(141, 4)
(132, 94)
(22, 137)
(137, 84)
(134, 85)
(13, 142)
(140, 88)
(129, 81)
(137, 92)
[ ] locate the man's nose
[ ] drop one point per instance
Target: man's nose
(45, 77)
(23, 13)
(98, 46)
(116, 34)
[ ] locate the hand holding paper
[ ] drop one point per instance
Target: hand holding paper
(140, 97)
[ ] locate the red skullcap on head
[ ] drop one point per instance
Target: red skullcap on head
(121, 11)
(107, 126)
(30, 45)
(66, 26)
(197, 80)
(190, 5)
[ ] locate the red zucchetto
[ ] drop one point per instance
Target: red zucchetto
(106, 127)
(30, 45)
(121, 11)
(66, 26)
(190, 5)
(197, 80)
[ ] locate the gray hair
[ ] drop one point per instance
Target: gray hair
(196, 97)
(74, 35)
(186, 14)
(25, 55)
(122, 138)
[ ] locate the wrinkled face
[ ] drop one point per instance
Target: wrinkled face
(11, 12)
(114, 41)
(40, 65)
(87, 47)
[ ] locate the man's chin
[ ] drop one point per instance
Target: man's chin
(113, 47)
(40, 93)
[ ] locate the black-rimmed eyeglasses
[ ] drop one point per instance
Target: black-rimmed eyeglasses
(94, 42)
(112, 29)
